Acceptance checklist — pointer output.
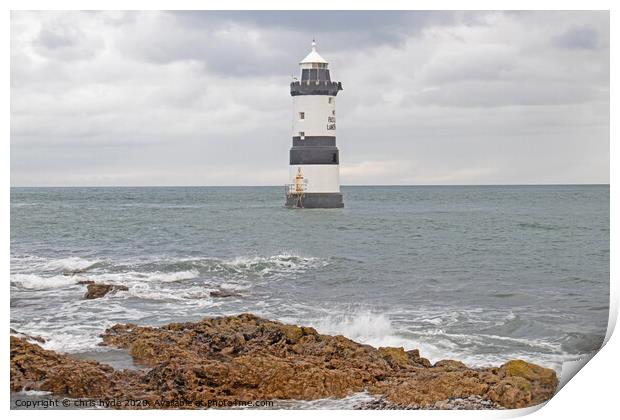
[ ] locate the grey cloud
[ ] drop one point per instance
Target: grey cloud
(52, 39)
(490, 93)
(64, 40)
(220, 39)
(583, 37)
(486, 64)
(376, 26)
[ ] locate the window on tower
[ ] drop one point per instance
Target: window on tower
(302, 135)
(330, 100)
(302, 115)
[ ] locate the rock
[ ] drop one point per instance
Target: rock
(396, 356)
(472, 402)
(223, 293)
(522, 384)
(28, 337)
(73, 272)
(450, 365)
(424, 362)
(33, 368)
(427, 386)
(382, 404)
(245, 357)
(512, 392)
(85, 282)
(97, 290)
(414, 356)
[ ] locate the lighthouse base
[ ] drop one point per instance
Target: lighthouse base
(315, 201)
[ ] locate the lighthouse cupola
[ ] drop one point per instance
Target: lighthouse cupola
(314, 154)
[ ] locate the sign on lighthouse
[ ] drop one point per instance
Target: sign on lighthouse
(314, 174)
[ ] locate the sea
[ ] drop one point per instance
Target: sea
(482, 274)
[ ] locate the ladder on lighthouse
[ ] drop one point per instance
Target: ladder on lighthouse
(298, 189)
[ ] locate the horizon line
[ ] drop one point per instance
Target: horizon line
(350, 185)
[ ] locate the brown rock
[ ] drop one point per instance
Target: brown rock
(450, 365)
(85, 282)
(429, 386)
(28, 337)
(424, 362)
(489, 377)
(246, 357)
(97, 290)
(512, 392)
(396, 356)
(33, 368)
(414, 357)
(223, 293)
(523, 384)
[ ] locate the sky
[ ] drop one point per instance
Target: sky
(202, 98)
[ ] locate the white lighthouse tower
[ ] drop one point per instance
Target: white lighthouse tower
(314, 174)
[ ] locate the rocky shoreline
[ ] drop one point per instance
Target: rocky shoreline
(247, 358)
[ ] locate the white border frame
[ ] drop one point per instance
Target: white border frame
(592, 394)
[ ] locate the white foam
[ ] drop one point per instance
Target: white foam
(235, 286)
(27, 262)
(434, 321)
(554, 347)
(348, 402)
(147, 291)
(34, 263)
(359, 326)
(33, 281)
(284, 261)
(72, 264)
(73, 343)
(171, 277)
(34, 393)
(371, 328)
(65, 338)
(134, 277)
(377, 330)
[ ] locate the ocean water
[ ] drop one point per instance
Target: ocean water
(482, 274)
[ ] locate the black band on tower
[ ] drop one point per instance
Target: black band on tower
(312, 87)
(316, 201)
(314, 156)
(314, 141)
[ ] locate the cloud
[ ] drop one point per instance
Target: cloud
(583, 37)
(264, 42)
(201, 98)
(62, 39)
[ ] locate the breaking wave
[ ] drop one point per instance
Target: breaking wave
(34, 281)
(271, 266)
(375, 329)
(31, 272)
(67, 265)
(382, 330)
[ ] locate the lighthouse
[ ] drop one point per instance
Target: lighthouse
(314, 173)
